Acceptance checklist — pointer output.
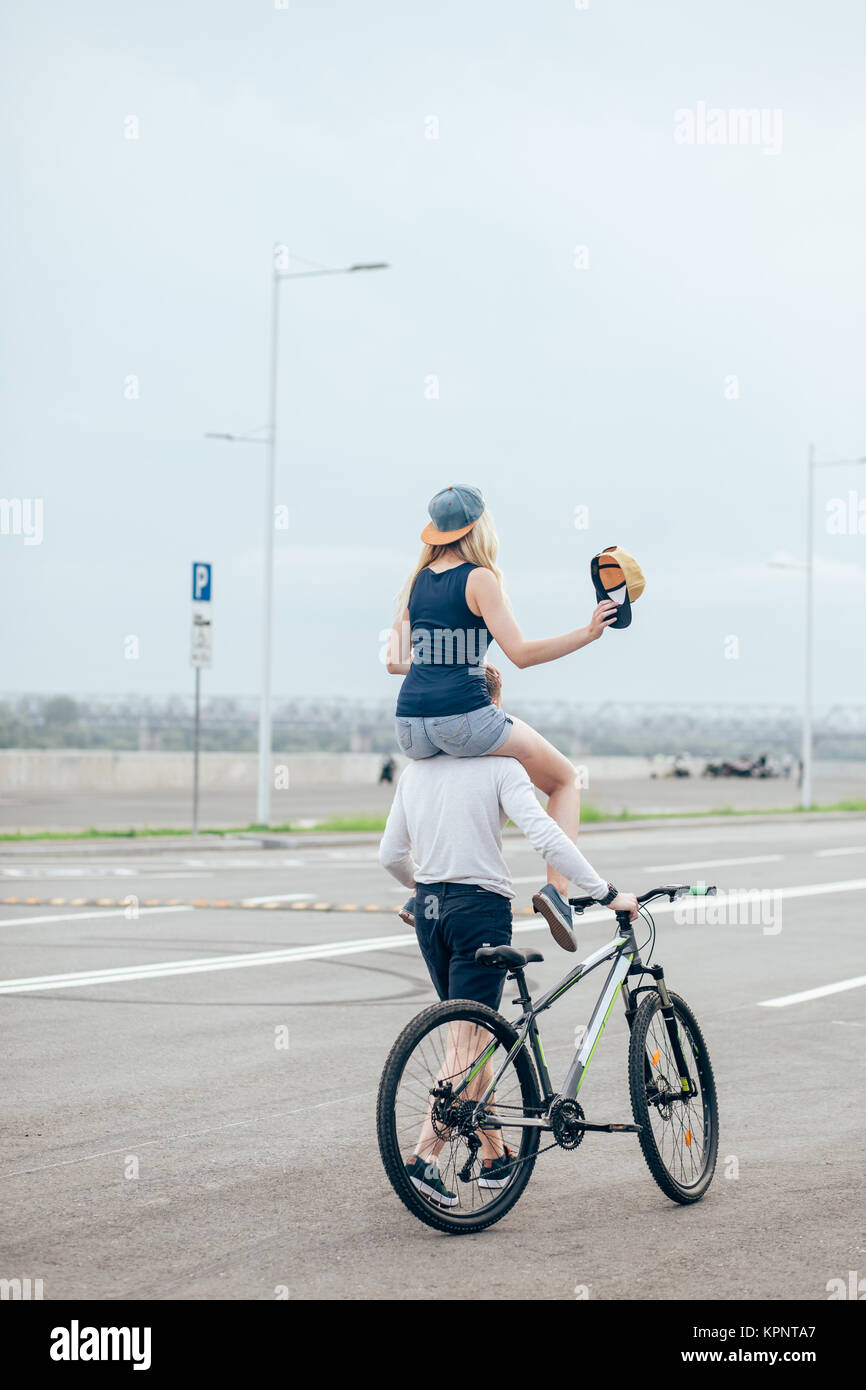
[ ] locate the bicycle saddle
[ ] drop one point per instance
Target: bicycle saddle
(506, 955)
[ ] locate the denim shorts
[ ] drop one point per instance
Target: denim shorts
(462, 735)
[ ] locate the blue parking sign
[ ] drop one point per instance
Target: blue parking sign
(201, 577)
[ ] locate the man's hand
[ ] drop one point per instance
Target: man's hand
(605, 613)
(625, 902)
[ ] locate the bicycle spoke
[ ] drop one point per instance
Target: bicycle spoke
(679, 1127)
(449, 1054)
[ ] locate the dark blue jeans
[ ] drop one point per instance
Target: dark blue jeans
(451, 921)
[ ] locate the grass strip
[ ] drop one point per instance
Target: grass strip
(589, 815)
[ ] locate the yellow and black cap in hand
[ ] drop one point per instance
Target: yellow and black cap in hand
(617, 576)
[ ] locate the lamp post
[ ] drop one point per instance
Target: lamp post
(263, 812)
(813, 464)
(806, 749)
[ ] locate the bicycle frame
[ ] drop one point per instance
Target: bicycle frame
(625, 957)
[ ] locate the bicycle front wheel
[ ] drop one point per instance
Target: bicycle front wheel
(473, 1167)
(679, 1138)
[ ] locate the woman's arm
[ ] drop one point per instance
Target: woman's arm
(399, 657)
(484, 593)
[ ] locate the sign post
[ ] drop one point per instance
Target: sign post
(201, 655)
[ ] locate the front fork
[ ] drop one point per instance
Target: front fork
(687, 1086)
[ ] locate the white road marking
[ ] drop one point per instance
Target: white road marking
(358, 854)
(205, 965)
(855, 983)
(180, 873)
(712, 863)
(224, 861)
(20, 876)
(85, 916)
(327, 950)
(850, 849)
(282, 898)
(805, 890)
(146, 864)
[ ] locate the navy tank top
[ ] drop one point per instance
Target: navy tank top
(449, 646)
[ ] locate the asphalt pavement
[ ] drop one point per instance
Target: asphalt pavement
(190, 1092)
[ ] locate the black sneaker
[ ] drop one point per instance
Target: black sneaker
(496, 1172)
(407, 913)
(426, 1177)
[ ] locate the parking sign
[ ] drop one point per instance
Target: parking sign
(200, 582)
(201, 652)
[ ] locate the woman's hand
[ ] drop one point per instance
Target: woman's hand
(485, 598)
(604, 614)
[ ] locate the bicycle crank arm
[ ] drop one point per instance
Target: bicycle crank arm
(537, 1122)
(525, 1122)
(609, 1128)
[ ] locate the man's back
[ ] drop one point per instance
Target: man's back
(454, 819)
(448, 815)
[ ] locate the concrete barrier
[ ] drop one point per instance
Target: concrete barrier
(76, 770)
(83, 770)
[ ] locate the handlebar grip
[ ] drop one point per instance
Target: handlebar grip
(581, 904)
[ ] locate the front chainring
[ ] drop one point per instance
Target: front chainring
(565, 1117)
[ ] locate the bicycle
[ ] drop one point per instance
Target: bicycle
(440, 1080)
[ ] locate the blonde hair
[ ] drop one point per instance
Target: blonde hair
(480, 546)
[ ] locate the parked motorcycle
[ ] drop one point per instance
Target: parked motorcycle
(744, 767)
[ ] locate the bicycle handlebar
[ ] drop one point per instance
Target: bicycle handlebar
(668, 890)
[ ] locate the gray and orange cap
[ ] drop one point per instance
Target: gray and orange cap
(454, 511)
(618, 576)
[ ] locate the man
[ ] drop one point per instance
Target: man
(443, 839)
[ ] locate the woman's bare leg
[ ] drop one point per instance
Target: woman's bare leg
(552, 773)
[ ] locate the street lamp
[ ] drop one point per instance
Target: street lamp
(813, 464)
(263, 814)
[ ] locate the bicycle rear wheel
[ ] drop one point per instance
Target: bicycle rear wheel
(435, 1053)
(679, 1138)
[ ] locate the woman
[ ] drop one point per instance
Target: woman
(451, 606)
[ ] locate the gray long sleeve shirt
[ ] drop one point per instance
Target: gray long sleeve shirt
(446, 821)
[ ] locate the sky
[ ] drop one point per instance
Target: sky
(621, 312)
